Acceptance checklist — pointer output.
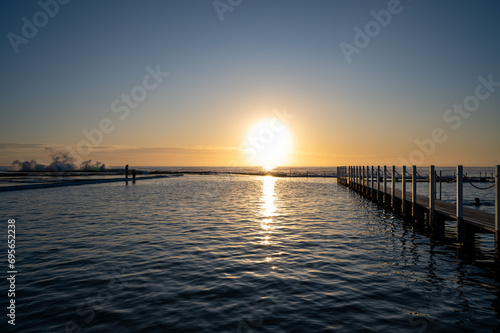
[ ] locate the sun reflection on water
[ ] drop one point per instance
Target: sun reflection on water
(268, 196)
(268, 209)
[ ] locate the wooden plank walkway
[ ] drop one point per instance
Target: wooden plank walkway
(469, 221)
(475, 217)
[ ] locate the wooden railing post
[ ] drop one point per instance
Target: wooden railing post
(432, 195)
(403, 189)
(465, 233)
(497, 214)
(361, 179)
(385, 185)
(350, 176)
(378, 183)
(355, 180)
(373, 183)
(460, 193)
(393, 188)
(414, 191)
(363, 189)
(358, 178)
(497, 198)
(440, 184)
(367, 181)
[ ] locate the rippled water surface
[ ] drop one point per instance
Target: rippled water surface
(235, 254)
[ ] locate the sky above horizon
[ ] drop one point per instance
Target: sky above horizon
(165, 83)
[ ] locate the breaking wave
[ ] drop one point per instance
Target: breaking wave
(61, 161)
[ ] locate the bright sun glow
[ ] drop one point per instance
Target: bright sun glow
(269, 144)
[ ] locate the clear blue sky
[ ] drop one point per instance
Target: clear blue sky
(226, 75)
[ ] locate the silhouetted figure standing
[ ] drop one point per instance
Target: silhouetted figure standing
(126, 171)
(133, 176)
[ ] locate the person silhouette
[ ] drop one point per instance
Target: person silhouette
(126, 171)
(478, 202)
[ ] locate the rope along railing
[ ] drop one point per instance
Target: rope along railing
(479, 188)
(438, 179)
(419, 174)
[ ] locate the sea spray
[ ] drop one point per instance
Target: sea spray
(61, 161)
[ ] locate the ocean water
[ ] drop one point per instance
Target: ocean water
(229, 253)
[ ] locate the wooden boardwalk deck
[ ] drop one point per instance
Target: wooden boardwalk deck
(430, 213)
(475, 217)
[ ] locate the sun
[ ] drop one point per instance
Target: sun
(268, 144)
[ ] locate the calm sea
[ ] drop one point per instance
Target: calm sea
(230, 253)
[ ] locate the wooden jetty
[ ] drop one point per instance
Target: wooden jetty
(426, 211)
